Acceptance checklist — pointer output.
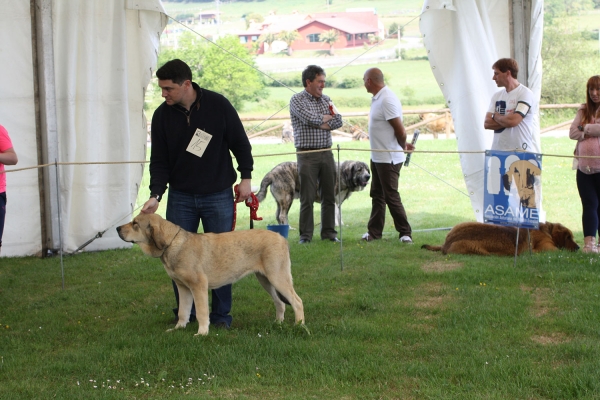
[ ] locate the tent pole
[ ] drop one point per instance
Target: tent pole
(60, 249)
(38, 129)
(46, 120)
(339, 205)
(520, 27)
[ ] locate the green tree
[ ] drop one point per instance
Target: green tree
(268, 38)
(373, 39)
(289, 37)
(393, 29)
(557, 8)
(253, 17)
(235, 78)
(330, 37)
(190, 48)
(568, 63)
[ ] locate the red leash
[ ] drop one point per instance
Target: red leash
(252, 203)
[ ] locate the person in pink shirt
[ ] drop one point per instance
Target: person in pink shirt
(7, 157)
(585, 129)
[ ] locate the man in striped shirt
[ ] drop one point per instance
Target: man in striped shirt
(313, 117)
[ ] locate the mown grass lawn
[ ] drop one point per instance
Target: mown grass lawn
(386, 321)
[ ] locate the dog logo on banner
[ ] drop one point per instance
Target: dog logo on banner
(513, 188)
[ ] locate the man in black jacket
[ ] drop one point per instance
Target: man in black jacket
(193, 132)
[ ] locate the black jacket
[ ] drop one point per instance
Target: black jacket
(171, 164)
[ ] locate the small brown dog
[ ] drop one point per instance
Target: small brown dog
(198, 262)
(486, 239)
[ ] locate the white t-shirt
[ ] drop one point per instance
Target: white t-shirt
(384, 107)
(526, 135)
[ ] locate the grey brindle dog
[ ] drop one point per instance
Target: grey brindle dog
(285, 186)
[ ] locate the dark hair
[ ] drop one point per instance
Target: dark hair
(590, 106)
(311, 73)
(507, 64)
(175, 70)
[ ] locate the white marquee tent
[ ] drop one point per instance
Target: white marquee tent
(72, 79)
(73, 75)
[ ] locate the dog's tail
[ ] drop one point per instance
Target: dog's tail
(264, 185)
(431, 248)
(282, 298)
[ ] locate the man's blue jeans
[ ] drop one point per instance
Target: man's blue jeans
(216, 213)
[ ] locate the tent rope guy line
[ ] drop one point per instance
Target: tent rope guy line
(10, 170)
(100, 234)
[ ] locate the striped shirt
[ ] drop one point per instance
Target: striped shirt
(307, 113)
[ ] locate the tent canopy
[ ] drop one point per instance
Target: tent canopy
(74, 94)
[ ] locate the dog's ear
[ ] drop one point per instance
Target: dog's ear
(155, 233)
(532, 172)
(506, 181)
(560, 234)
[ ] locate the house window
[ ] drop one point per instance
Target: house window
(313, 37)
(349, 37)
(254, 38)
(243, 39)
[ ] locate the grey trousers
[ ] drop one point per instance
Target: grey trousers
(317, 168)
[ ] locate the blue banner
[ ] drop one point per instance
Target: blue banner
(513, 188)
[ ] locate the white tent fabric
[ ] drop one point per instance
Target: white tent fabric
(17, 110)
(105, 52)
(463, 39)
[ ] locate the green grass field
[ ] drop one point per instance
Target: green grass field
(412, 81)
(386, 321)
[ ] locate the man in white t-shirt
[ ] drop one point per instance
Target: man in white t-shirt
(513, 111)
(386, 132)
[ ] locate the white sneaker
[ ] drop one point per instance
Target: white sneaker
(406, 239)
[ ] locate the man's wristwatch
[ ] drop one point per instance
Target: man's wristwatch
(493, 114)
(156, 196)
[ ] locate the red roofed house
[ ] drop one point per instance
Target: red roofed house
(354, 28)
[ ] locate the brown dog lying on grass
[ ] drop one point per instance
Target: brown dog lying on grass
(198, 262)
(486, 239)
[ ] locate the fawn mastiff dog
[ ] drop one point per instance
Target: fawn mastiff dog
(486, 239)
(198, 262)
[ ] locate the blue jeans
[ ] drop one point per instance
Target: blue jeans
(216, 212)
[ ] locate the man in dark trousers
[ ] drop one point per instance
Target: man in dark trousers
(386, 132)
(193, 132)
(313, 117)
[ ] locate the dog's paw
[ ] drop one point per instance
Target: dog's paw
(178, 326)
(304, 327)
(201, 332)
